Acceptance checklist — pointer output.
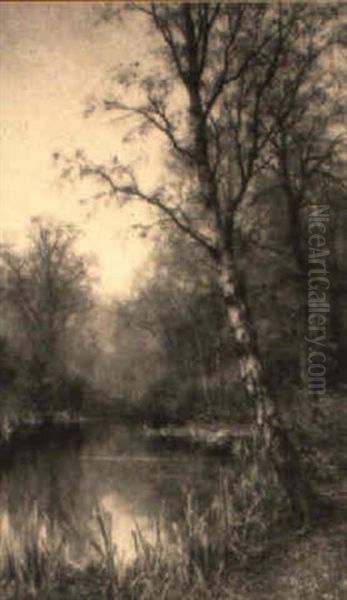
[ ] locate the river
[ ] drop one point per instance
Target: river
(67, 471)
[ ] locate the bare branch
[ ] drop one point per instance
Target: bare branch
(223, 78)
(155, 200)
(155, 115)
(163, 27)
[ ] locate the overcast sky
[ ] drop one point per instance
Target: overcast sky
(53, 57)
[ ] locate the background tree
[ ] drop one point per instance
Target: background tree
(308, 151)
(48, 287)
(188, 368)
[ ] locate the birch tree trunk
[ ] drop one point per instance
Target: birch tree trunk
(274, 445)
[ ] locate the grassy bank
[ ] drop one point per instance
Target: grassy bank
(231, 550)
(310, 567)
(12, 425)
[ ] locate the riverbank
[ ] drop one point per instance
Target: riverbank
(213, 436)
(310, 566)
(12, 426)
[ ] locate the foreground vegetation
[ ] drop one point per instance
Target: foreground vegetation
(210, 555)
(241, 545)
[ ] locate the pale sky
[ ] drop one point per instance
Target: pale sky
(53, 57)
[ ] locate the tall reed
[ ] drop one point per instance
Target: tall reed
(30, 558)
(186, 555)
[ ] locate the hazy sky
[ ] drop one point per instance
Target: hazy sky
(53, 56)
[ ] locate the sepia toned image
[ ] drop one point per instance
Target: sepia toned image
(173, 301)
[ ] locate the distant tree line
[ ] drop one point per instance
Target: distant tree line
(45, 298)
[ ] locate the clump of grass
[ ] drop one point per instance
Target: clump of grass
(154, 570)
(107, 551)
(235, 527)
(197, 549)
(32, 557)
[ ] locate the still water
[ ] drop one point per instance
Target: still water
(67, 472)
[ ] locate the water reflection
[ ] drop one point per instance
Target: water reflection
(67, 473)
